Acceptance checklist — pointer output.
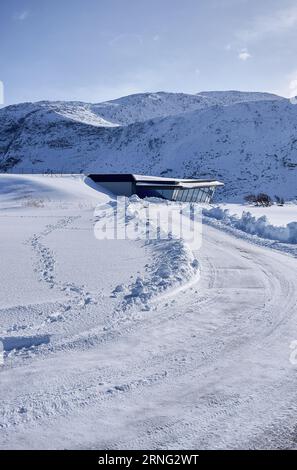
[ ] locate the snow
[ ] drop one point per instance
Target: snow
(246, 140)
(276, 215)
(19, 190)
(172, 261)
(256, 225)
(188, 367)
(230, 97)
(144, 106)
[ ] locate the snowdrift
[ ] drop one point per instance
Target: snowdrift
(255, 226)
(173, 263)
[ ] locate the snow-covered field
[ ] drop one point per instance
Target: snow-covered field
(134, 344)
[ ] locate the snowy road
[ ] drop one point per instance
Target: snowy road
(206, 367)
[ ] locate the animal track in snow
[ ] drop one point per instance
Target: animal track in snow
(78, 296)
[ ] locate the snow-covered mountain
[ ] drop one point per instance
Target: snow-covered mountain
(233, 96)
(248, 140)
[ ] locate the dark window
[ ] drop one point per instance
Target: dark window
(195, 197)
(191, 195)
(179, 195)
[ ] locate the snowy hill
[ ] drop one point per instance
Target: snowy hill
(248, 140)
(233, 96)
(144, 106)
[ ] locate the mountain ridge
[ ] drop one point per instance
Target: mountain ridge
(251, 145)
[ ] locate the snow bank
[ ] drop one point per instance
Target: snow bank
(276, 215)
(173, 262)
(18, 191)
(173, 265)
(255, 226)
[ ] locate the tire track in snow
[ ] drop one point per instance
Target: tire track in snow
(211, 398)
(212, 412)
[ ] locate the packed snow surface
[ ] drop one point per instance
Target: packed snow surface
(100, 354)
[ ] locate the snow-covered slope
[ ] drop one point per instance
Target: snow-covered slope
(233, 96)
(246, 139)
(144, 106)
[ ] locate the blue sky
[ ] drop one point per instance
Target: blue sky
(94, 50)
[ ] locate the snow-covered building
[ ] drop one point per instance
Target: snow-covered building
(175, 189)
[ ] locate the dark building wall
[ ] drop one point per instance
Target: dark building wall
(125, 185)
(119, 188)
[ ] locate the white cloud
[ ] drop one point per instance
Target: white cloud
(244, 55)
(23, 15)
(278, 22)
